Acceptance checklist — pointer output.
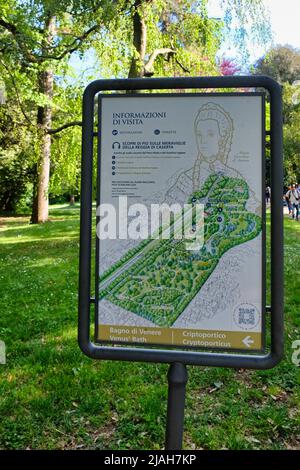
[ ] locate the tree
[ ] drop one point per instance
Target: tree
(15, 155)
(66, 155)
(133, 38)
(161, 37)
(292, 153)
(173, 38)
(281, 63)
(36, 39)
(176, 37)
(229, 67)
(291, 137)
(246, 21)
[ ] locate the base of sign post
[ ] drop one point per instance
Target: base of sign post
(177, 380)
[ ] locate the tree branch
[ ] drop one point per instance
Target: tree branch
(148, 67)
(19, 40)
(17, 93)
(182, 66)
(64, 126)
(139, 40)
(73, 46)
(9, 26)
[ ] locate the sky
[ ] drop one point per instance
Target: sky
(284, 18)
(285, 24)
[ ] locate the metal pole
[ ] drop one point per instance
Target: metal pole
(177, 380)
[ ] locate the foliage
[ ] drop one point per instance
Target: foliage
(246, 21)
(36, 40)
(229, 67)
(66, 145)
(26, 53)
(282, 63)
(291, 134)
(16, 157)
(182, 26)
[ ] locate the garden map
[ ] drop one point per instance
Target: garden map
(187, 150)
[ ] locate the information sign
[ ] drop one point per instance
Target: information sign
(167, 155)
(180, 218)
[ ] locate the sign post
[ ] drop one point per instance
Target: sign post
(177, 380)
(180, 247)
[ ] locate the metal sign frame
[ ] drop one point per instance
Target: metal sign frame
(220, 359)
(179, 96)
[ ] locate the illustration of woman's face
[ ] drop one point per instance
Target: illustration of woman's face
(208, 137)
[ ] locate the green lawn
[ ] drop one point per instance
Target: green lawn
(53, 397)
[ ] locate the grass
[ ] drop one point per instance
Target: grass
(53, 397)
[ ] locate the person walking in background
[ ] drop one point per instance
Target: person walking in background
(268, 194)
(287, 198)
(294, 199)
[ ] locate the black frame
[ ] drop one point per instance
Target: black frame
(253, 361)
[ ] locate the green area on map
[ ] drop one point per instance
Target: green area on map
(161, 277)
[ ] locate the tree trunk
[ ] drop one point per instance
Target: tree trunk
(139, 42)
(40, 208)
(34, 208)
(72, 200)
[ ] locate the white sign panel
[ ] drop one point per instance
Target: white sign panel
(176, 153)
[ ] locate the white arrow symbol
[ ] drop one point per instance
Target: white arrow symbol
(248, 341)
